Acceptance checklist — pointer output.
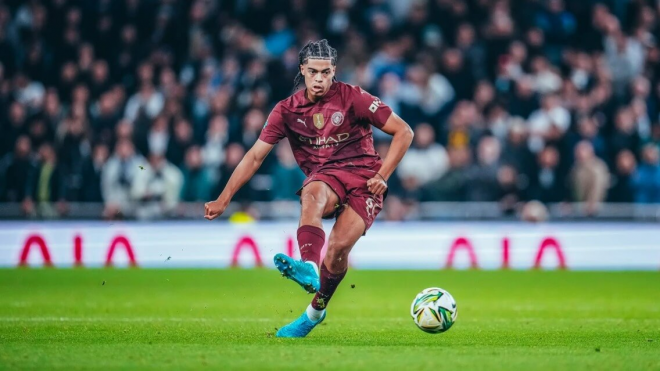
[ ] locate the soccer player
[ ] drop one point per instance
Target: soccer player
(328, 125)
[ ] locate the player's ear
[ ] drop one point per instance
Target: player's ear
(302, 69)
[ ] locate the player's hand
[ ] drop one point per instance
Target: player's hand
(214, 209)
(377, 185)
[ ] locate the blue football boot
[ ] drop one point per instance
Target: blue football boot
(300, 327)
(301, 272)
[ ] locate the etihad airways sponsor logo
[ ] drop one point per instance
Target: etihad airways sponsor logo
(325, 142)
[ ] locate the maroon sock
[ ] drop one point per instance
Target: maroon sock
(329, 283)
(310, 242)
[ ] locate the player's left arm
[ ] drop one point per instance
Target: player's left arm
(402, 136)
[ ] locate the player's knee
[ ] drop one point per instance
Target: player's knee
(314, 197)
(338, 251)
(312, 202)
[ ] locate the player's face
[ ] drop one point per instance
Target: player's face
(318, 76)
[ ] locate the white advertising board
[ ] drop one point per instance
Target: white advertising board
(426, 245)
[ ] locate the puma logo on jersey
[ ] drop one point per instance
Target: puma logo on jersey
(374, 105)
(302, 122)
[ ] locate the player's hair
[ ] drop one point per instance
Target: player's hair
(315, 50)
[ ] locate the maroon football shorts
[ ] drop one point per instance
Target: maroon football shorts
(350, 185)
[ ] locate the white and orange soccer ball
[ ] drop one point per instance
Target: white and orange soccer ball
(434, 310)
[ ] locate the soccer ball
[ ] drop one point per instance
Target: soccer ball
(434, 310)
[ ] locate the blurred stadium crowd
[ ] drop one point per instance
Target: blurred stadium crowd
(143, 104)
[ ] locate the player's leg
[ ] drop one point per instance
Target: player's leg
(345, 233)
(318, 200)
(348, 229)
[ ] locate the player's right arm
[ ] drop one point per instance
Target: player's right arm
(249, 165)
(272, 133)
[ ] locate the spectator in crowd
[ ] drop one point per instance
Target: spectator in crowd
(646, 179)
(483, 184)
(558, 26)
(622, 190)
(92, 172)
(15, 170)
(117, 179)
(462, 128)
(547, 183)
(524, 100)
(548, 123)
(589, 177)
(588, 130)
(156, 189)
(197, 182)
(515, 151)
(287, 176)
(252, 123)
(397, 209)
(157, 139)
(452, 186)
(497, 121)
(510, 189)
(625, 135)
(39, 132)
(73, 150)
(546, 78)
(105, 115)
(425, 161)
(28, 92)
(457, 74)
(424, 93)
(473, 50)
(582, 71)
(484, 97)
(147, 101)
(389, 94)
(624, 55)
(45, 186)
(180, 142)
(13, 127)
(281, 36)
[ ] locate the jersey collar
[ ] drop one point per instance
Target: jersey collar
(305, 102)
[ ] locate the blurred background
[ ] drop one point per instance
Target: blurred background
(141, 109)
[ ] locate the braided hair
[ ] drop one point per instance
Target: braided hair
(315, 50)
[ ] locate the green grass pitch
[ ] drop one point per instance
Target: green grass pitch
(226, 319)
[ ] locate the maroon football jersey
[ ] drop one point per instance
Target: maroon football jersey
(335, 131)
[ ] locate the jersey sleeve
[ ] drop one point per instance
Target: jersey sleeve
(370, 108)
(273, 130)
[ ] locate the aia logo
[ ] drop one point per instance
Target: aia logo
(374, 105)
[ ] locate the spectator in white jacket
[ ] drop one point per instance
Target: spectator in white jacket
(625, 58)
(147, 100)
(429, 92)
(425, 161)
(549, 122)
(157, 189)
(117, 178)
